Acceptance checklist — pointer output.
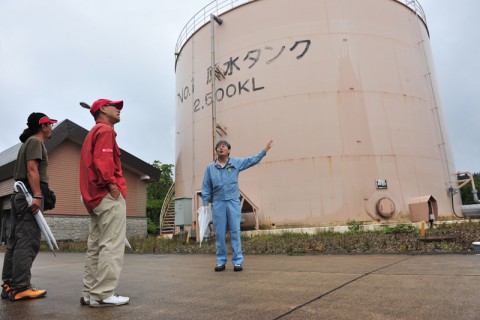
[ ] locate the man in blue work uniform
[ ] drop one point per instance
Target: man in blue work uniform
(221, 183)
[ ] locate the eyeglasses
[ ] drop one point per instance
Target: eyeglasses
(111, 105)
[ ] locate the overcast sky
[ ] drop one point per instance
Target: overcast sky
(56, 53)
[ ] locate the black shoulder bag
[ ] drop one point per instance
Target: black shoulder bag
(49, 198)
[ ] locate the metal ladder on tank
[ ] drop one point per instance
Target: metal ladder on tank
(167, 214)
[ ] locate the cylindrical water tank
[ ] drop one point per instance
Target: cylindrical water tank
(346, 89)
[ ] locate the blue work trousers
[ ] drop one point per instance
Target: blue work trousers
(226, 213)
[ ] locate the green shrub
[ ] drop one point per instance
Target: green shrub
(354, 226)
(401, 228)
(151, 227)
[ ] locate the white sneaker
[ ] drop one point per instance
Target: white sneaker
(85, 301)
(111, 301)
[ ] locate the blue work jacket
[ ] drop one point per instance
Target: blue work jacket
(222, 183)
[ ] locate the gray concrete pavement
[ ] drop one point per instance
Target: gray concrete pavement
(270, 287)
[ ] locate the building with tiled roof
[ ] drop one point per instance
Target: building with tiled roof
(69, 219)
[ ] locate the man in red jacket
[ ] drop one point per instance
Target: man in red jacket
(103, 191)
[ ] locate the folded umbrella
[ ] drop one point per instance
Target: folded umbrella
(204, 219)
(128, 243)
(43, 225)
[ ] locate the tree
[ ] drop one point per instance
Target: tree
(156, 193)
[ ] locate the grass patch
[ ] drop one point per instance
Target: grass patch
(401, 228)
(397, 239)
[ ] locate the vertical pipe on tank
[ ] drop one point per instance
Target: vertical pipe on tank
(436, 109)
(192, 187)
(213, 18)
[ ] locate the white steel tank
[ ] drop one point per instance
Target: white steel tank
(346, 89)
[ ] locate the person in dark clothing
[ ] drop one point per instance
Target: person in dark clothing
(23, 242)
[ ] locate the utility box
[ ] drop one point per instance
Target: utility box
(183, 211)
(423, 208)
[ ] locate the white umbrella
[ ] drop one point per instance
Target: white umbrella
(204, 219)
(127, 244)
(47, 233)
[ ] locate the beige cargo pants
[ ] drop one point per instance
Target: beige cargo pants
(106, 247)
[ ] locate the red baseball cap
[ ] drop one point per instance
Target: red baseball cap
(39, 118)
(104, 102)
(46, 119)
